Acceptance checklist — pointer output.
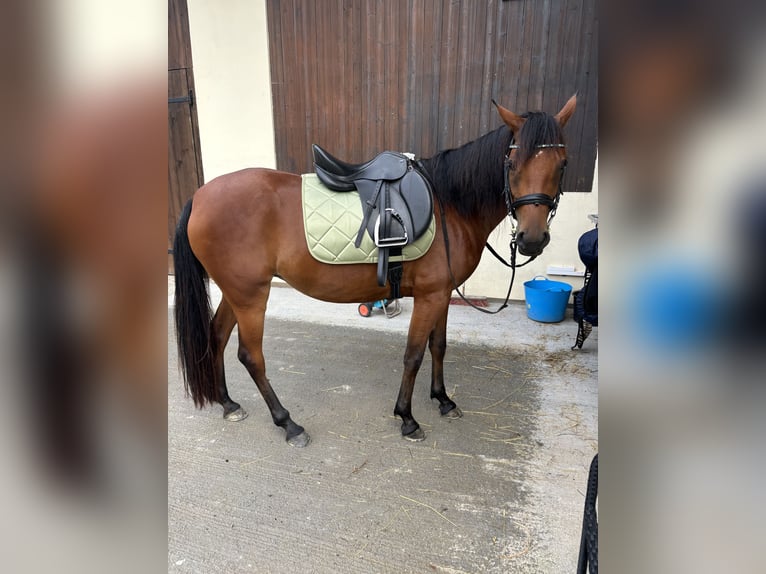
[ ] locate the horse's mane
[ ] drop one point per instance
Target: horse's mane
(470, 178)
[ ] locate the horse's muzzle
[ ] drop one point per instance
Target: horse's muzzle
(530, 246)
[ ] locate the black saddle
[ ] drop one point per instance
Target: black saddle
(397, 202)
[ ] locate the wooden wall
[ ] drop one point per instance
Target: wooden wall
(184, 157)
(361, 76)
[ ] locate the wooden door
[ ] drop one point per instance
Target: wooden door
(184, 159)
(362, 76)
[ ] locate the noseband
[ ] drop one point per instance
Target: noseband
(532, 198)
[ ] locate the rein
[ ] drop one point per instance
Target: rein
(511, 204)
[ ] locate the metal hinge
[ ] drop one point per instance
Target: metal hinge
(183, 99)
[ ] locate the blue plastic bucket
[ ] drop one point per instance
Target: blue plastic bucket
(546, 299)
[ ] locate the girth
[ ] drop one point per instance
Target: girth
(397, 202)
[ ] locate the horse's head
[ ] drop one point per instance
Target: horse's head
(534, 168)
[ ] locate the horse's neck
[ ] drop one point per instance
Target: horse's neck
(481, 222)
(489, 223)
(470, 233)
(467, 185)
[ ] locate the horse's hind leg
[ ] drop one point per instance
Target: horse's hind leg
(250, 321)
(223, 324)
(437, 344)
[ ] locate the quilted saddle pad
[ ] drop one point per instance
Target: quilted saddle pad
(331, 221)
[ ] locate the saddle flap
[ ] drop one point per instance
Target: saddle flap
(415, 193)
(403, 209)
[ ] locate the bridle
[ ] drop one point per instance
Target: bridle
(512, 204)
(532, 198)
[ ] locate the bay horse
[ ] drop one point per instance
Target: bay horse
(245, 228)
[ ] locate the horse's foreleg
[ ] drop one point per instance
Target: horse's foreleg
(251, 356)
(437, 344)
(425, 315)
(222, 325)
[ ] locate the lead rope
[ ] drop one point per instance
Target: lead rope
(512, 265)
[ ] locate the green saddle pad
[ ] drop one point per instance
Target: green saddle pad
(331, 221)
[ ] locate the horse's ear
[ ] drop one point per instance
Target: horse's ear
(566, 112)
(513, 121)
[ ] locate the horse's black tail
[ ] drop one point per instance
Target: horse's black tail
(196, 346)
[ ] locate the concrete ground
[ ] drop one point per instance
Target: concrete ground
(500, 490)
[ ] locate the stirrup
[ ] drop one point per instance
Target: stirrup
(390, 241)
(395, 311)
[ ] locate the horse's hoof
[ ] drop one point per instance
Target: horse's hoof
(415, 436)
(455, 413)
(300, 440)
(235, 416)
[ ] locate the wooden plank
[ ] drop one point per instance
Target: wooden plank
(320, 32)
(506, 12)
(483, 107)
(307, 59)
(481, 36)
(281, 42)
(417, 107)
(510, 70)
(447, 75)
(588, 74)
(179, 46)
(276, 68)
(537, 72)
(432, 88)
(390, 86)
(344, 117)
(370, 118)
(460, 55)
(414, 73)
(379, 97)
(401, 50)
(184, 171)
(355, 139)
(552, 88)
(527, 46)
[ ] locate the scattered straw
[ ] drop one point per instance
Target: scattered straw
(526, 549)
(458, 454)
(486, 414)
(505, 398)
(429, 507)
(503, 440)
(358, 468)
(493, 368)
(256, 460)
(447, 569)
(381, 529)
